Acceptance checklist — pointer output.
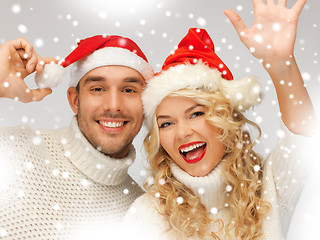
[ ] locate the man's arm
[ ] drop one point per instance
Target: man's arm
(271, 39)
(18, 59)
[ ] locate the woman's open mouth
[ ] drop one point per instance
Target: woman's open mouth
(193, 152)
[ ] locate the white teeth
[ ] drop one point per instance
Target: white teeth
(190, 148)
(111, 124)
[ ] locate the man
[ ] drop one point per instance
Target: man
(72, 183)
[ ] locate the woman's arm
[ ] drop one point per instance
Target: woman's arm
(271, 39)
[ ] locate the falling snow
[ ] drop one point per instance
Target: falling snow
(143, 28)
(201, 21)
(179, 200)
(229, 188)
(16, 8)
(39, 42)
(214, 210)
(201, 191)
(22, 28)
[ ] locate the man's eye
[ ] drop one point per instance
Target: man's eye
(165, 124)
(129, 90)
(97, 89)
(197, 114)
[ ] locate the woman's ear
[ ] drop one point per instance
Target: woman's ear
(73, 98)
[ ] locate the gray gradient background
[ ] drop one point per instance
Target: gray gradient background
(157, 26)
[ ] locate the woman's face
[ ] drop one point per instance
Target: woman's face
(186, 135)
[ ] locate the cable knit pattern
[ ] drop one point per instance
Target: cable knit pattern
(207, 187)
(55, 185)
(284, 174)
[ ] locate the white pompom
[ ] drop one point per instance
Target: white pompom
(51, 77)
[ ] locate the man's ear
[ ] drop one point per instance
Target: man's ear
(73, 98)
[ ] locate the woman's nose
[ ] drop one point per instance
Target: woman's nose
(183, 130)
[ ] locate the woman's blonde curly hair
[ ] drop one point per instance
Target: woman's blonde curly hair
(191, 218)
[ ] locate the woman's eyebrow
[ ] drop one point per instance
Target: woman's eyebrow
(186, 111)
(163, 116)
(191, 108)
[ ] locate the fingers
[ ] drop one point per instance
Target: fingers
(22, 43)
(32, 61)
(298, 6)
(34, 95)
(282, 3)
(23, 56)
(236, 21)
(26, 52)
(256, 3)
(270, 2)
(39, 94)
(43, 61)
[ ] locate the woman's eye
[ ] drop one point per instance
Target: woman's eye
(197, 114)
(165, 124)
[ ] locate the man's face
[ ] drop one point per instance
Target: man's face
(109, 108)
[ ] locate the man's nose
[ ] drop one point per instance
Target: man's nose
(113, 101)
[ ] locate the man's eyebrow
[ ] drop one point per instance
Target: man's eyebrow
(133, 80)
(101, 79)
(94, 79)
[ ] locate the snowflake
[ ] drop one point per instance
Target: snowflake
(162, 181)
(276, 27)
(39, 42)
(56, 207)
(179, 200)
(214, 210)
(85, 182)
(102, 14)
(256, 168)
(65, 174)
(36, 140)
(201, 21)
(3, 232)
(55, 172)
(228, 188)
(168, 13)
(59, 226)
(201, 191)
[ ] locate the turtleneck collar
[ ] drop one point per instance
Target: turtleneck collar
(91, 162)
(210, 188)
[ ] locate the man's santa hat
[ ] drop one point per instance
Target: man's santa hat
(195, 65)
(94, 52)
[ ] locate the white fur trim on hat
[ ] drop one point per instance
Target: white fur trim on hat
(109, 56)
(243, 93)
(51, 76)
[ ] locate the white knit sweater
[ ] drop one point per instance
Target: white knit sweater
(284, 174)
(56, 185)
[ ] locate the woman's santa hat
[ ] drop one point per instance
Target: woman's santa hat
(195, 65)
(94, 52)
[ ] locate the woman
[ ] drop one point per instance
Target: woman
(206, 181)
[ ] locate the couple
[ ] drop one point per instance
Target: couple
(206, 181)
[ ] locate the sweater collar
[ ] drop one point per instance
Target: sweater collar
(210, 188)
(91, 162)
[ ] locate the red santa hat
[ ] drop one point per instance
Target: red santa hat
(195, 65)
(94, 52)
